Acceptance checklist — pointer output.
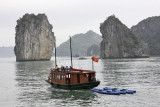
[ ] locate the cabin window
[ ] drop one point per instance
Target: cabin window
(86, 75)
(68, 76)
(53, 76)
(63, 77)
(59, 77)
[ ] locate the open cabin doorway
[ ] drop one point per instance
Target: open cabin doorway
(78, 78)
(89, 78)
(68, 77)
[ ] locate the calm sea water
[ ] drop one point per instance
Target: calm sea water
(22, 84)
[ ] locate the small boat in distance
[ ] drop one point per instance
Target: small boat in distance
(82, 58)
(71, 78)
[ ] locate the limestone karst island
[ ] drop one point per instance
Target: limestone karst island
(34, 38)
(119, 41)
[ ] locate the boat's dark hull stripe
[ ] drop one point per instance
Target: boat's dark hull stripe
(87, 85)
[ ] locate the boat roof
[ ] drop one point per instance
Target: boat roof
(81, 70)
(74, 71)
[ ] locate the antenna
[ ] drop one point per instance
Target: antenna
(92, 64)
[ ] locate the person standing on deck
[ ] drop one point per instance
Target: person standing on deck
(57, 67)
(67, 68)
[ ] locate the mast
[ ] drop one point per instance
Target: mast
(71, 52)
(55, 54)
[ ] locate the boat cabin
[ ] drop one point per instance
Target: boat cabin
(71, 76)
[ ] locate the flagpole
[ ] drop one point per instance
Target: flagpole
(92, 65)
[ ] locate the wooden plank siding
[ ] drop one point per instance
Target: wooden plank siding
(71, 77)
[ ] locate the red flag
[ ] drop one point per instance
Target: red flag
(95, 59)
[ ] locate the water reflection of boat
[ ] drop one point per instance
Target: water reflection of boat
(68, 95)
(71, 78)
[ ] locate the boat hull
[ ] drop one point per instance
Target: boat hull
(87, 85)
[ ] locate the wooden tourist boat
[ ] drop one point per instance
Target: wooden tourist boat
(71, 78)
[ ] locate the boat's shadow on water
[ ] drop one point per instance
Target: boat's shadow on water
(72, 97)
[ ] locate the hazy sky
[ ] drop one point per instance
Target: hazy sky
(70, 17)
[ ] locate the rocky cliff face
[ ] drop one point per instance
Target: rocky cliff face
(34, 38)
(149, 31)
(119, 41)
